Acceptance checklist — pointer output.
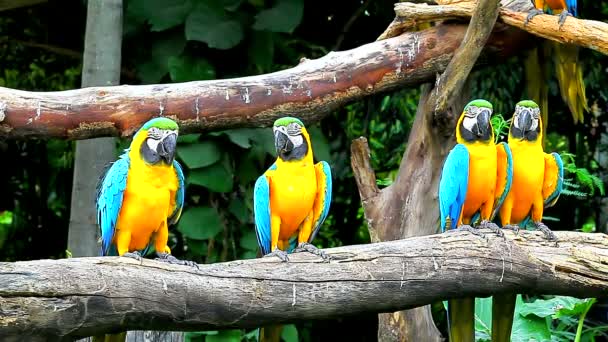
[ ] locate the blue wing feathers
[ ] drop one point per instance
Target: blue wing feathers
(326, 200)
(453, 185)
(180, 195)
(572, 8)
(560, 180)
(502, 197)
(109, 200)
(261, 213)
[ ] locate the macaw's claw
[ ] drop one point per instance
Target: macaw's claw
(548, 233)
(474, 231)
(562, 18)
(513, 227)
(170, 259)
(533, 13)
(487, 224)
(310, 248)
(279, 254)
(135, 255)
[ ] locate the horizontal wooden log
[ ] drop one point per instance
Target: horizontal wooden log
(310, 90)
(69, 298)
(591, 34)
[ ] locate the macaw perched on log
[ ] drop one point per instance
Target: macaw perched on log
(475, 180)
(291, 200)
(567, 67)
(141, 194)
(293, 196)
(537, 184)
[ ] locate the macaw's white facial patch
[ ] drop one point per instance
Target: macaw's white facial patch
(296, 140)
(152, 143)
(468, 123)
(534, 125)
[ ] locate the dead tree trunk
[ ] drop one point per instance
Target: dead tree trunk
(52, 300)
(409, 206)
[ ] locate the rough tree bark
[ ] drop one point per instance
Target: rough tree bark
(590, 34)
(100, 67)
(310, 90)
(409, 206)
(49, 300)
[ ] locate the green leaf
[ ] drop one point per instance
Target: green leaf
(554, 307)
(483, 315)
(261, 51)
(527, 326)
(241, 136)
(6, 217)
(320, 145)
(231, 5)
(216, 177)
(239, 210)
(290, 333)
(200, 223)
(211, 25)
(188, 138)
(198, 247)
(247, 171)
(225, 336)
(164, 46)
(161, 14)
(249, 241)
(284, 17)
(187, 68)
(200, 154)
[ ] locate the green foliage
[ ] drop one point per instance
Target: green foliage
(500, 127)
(558, 318)
(584, 178)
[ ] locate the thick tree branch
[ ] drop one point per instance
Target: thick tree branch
(587, 33)
(455, 75)
(310, 90)
(68, 298)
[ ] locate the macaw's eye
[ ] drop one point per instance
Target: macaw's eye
(154, 133)
(535, 113)
(294, 128)
(471, 111)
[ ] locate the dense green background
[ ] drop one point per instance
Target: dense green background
(183, 40)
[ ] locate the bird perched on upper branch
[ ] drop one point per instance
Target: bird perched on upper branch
(567, 65)
(475, 179)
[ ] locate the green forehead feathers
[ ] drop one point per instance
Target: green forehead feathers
(527, 103)
(161, 123)
(287, 120)
(479, 103)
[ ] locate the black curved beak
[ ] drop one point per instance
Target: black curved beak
(483, 123)
(282, 143)
(166, 148)
(524, 121)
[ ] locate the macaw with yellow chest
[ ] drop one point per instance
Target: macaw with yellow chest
(291, 200)
(141, 194)
(567, 65)
(537, 183)
(475, 180)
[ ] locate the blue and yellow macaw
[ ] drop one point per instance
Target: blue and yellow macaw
(537, 183)
(475, 180)
(291, 199)
(140, 195)
(567, 66)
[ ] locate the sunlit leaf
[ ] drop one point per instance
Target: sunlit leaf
(289, 333)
